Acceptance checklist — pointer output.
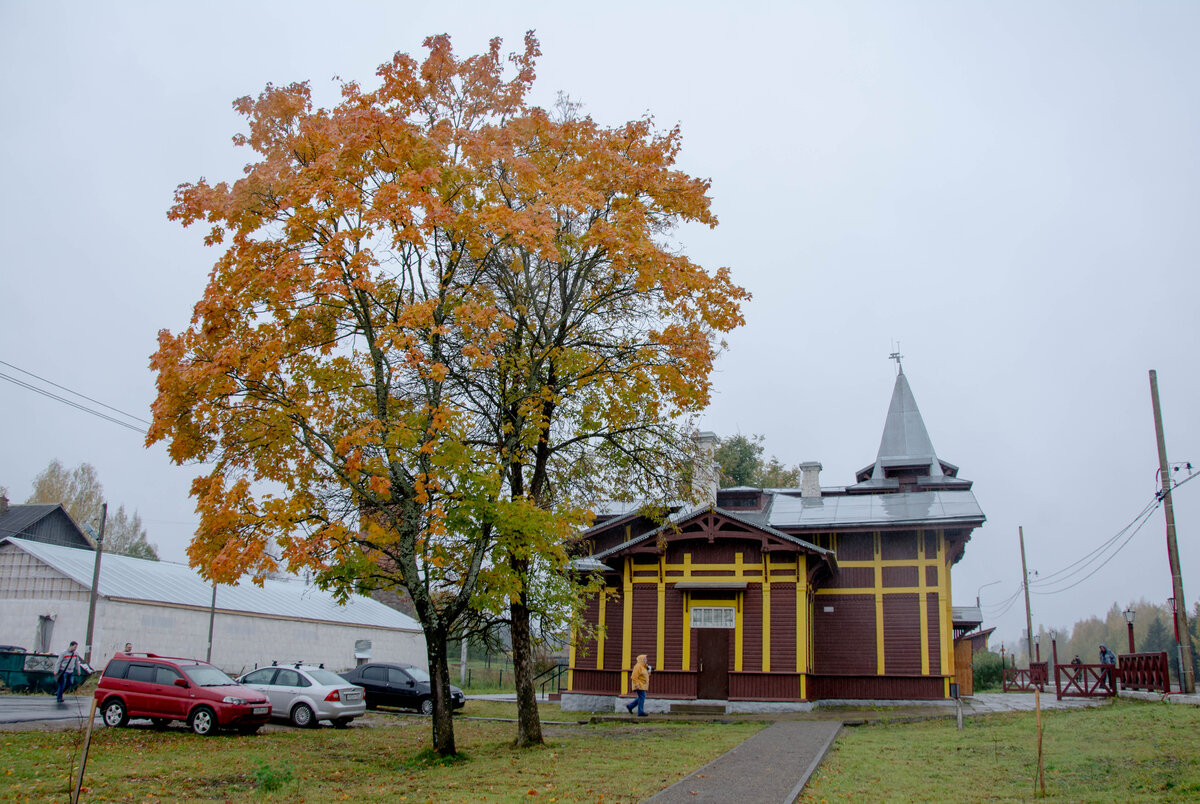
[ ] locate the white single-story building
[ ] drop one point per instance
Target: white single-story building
(165, 608)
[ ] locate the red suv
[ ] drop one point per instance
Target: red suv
(164, 688)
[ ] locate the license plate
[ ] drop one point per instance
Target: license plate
(352, 696)
(261, 710)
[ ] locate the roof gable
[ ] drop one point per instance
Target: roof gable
(44, 522)
(712, 523)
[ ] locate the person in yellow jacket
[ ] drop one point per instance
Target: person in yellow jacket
(639, 679)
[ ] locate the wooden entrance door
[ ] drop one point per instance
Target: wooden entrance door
(712, 650)
(964, 667)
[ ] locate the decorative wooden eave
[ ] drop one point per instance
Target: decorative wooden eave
(710, 524)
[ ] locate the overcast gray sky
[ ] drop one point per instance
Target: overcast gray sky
(1010, 190)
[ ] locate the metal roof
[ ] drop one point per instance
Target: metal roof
(166, 582)
(882, 510)
(905, 440)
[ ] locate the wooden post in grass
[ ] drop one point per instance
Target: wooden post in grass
(87, 742)
(1040, 779)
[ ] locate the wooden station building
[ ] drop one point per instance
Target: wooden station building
(775, 598)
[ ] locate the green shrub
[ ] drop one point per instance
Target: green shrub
(988, 670)
(269, 779)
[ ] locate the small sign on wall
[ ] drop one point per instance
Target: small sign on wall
(829, 609)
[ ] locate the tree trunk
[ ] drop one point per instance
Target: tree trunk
(439, 677)
(529, 724)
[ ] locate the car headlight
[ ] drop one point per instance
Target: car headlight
(230, 699)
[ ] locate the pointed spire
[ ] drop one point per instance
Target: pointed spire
(905, 440)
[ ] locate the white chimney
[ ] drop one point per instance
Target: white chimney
(704, 475)
(810, 479)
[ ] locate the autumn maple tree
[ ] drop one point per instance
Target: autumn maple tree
(441, 324)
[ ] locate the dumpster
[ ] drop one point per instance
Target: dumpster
(31, 672)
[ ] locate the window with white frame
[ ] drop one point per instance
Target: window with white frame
(713, 617)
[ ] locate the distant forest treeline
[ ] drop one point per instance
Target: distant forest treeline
(1153, 630)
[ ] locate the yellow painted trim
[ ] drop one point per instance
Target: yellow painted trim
(766, 619)
(879, 657)
(686, 629)
(571, 657)
(627, 620)
(801, 617)
(947, 618)
(923, 603)
(600, 621)
(804, 687)
(870, 590)
(660, 637)
(738, 633)
(890, 562)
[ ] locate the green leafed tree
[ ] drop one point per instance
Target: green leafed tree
(740, 460)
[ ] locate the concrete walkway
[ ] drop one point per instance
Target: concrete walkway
(772, 766)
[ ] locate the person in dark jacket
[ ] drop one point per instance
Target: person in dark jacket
(66, 670)
(1109, 660)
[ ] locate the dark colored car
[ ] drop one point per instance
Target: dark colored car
(165, 688)
(399, 685)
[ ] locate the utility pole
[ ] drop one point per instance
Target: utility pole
(87, 643)
(212, 616)
(1187, 679)
(1025, 575)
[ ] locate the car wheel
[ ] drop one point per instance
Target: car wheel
(160, 722)
(342, 722)
(371, 704)
(426, 706)
(203, 721)
(114, 713)
(302, 716)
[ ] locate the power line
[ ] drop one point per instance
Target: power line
(75, 405)
(23, 384)
(76, 393)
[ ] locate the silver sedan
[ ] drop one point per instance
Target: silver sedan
(305, 695)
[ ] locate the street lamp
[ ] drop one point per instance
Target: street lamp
(1129, 621)
(980, 589)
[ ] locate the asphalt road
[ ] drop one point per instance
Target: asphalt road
(43, 710)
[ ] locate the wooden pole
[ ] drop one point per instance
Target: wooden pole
(87, 643)
(1187, 679)
(1025, 575)
(87, 742)
(1040, 781)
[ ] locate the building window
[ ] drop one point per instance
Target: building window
(713, 617)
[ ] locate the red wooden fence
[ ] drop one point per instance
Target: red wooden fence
(1085, 681)
(1018, 680)
(1144, 671)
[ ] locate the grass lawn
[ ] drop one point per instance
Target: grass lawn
(381, 759)
(1126, 751)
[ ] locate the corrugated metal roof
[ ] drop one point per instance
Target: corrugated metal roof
(821, 513)
(166, 582)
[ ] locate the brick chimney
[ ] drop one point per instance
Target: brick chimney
(810, 479)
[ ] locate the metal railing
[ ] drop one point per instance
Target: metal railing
(555, 675)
